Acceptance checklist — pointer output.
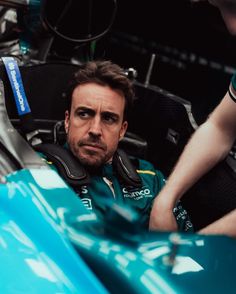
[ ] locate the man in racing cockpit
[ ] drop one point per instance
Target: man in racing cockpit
(99, 98)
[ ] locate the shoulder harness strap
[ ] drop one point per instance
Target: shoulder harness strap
(66, 163)
(126, 169)
(75, 174)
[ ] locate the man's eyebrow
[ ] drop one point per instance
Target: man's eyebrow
(84, 108)
(91, 110)
(111, 114)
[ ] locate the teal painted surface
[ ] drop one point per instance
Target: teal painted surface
(197, 264)
(51, 216)
(35, 256)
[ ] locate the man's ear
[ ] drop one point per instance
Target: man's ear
(67, 116)
(123, 129)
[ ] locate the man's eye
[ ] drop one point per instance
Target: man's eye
(109, 118)
(83, 114)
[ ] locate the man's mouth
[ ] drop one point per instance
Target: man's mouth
(93, 147)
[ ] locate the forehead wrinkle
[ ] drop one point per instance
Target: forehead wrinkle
(98, 98)
(103, 104)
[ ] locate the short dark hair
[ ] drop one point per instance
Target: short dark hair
(103, 73)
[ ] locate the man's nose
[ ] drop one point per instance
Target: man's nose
(95, 127)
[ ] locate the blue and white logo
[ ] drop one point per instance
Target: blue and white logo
(17, 85)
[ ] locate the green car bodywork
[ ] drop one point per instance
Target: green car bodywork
(124, 259)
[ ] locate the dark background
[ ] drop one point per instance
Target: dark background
(195, 54)
(194, 51)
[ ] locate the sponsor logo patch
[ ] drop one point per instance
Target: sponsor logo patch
(137, 195)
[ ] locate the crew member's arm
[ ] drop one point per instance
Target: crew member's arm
(208, 145)
(223, 226)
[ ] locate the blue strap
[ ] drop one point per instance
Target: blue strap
(14, 76)
(23, 109)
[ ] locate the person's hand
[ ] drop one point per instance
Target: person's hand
(162, 217)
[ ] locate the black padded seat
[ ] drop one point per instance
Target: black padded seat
(44, 85)
(165, 121)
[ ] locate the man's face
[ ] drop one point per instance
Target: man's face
(95, 123)
(228, 12)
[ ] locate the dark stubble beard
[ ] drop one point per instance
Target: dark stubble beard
(90, 161)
